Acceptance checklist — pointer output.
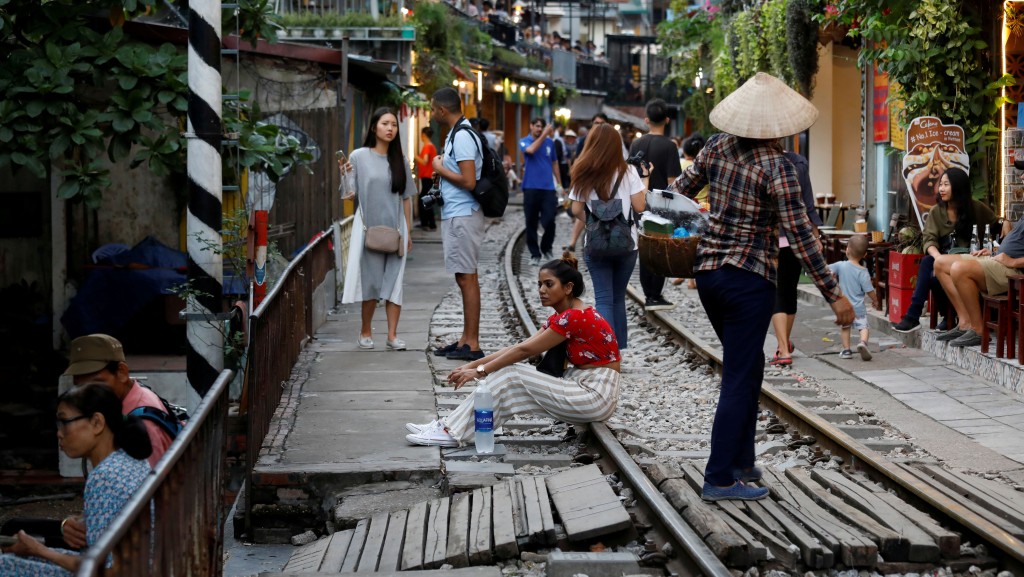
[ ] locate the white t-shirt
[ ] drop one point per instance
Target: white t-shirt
(631, 185)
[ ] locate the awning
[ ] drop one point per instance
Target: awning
(624, 117)
(380, 67)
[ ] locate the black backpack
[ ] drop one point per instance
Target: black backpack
(492, 188)
(609, 233)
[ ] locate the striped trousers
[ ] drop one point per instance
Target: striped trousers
(581, 396)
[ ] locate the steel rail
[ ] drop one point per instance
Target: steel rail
(791, 411)
(698, 551)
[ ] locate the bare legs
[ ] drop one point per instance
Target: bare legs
(469, 286)
(964, 281)
(782, 323)
(391, 309)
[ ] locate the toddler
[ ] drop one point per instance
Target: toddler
(855, 281)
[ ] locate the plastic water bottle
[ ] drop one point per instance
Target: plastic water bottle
(483, 405)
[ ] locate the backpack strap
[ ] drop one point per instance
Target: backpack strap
(615, 192)
(458, 127)
(169, 424)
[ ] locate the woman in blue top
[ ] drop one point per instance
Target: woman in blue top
(89, 424)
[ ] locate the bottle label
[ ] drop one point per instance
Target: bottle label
(484, 421)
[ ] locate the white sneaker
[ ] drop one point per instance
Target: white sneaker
(434, 434)
(415, 429)
(865, 354)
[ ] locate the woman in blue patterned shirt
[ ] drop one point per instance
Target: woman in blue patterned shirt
(89, 424)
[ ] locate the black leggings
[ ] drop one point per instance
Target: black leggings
(786, 278)
(427, 219)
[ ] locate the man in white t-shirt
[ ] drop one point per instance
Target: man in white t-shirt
(462, 221)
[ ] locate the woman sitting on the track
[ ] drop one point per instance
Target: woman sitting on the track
(587, 392)
(89, 424)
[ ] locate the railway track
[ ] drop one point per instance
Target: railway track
(874, 513)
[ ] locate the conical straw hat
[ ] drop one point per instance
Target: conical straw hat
(764, 108)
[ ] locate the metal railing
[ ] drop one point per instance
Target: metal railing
(278, 329)
(174, 523)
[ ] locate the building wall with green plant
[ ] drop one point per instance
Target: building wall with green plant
(934, 52)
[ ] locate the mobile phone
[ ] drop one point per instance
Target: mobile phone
(340, 156)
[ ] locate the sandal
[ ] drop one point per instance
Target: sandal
(778, 361)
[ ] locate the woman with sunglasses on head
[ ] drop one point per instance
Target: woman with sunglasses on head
(586, 392)
(90, 425)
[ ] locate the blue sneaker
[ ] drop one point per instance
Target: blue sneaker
(735, 492)
(751, 475)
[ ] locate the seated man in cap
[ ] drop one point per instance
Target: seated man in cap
(99, 358)
(754, 191)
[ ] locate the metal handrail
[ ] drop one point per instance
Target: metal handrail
(278, 329)
(141, 539)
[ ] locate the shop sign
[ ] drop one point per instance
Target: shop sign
(932, 147)
(880, 110)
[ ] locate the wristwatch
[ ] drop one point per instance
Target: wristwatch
(481, 371)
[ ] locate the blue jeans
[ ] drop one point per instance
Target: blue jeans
(739, 305)
(609, 278)
(539, 205)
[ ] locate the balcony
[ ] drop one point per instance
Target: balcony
(315, 33)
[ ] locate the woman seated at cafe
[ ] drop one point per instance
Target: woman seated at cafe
(948, 229)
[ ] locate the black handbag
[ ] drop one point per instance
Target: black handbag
(553, 361)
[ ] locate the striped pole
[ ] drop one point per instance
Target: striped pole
(205, 267)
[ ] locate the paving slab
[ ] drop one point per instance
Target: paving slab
(586, 503)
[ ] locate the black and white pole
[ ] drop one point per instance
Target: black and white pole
(205, 270)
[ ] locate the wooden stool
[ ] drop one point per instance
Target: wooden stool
(1000, 305)
(933, 313)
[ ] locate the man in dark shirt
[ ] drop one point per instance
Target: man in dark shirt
(663, 155)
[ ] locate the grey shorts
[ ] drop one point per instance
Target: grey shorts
(461, 237)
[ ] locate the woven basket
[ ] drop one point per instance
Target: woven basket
(669, 257)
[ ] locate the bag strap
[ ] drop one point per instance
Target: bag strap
(460, 126)
(167, 422)
(362, 214)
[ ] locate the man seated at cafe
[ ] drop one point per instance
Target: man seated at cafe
(965, 277)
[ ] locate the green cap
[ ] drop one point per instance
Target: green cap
(91, 353)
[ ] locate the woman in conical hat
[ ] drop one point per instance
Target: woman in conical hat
(754, 190)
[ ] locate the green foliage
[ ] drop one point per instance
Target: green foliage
(253, 20)
(436, 46)
(933, 51)
(801, 43)
(75, 88)
(482, 48)
(509, 58)
(262, 147)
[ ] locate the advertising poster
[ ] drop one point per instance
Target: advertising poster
(880, 103)
(932, 147)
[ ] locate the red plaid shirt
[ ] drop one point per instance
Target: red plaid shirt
(754, 190)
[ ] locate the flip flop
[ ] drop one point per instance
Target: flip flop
(778, 361)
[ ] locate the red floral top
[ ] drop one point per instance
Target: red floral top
(591, 339)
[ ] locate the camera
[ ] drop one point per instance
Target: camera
(642, 166)
(432, 197)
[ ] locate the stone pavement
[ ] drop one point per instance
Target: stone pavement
(935, 395)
